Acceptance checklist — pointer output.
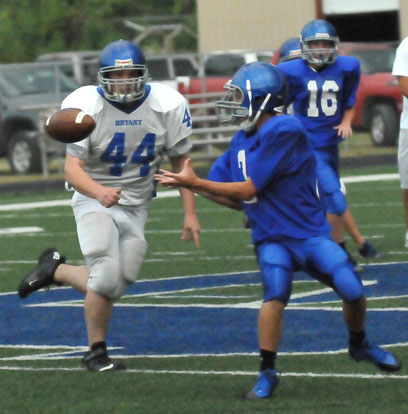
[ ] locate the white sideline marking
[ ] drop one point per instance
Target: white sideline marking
(371, 298)
(67, 202)
(175, 193)
(371, 177)
(42, 347)
(161, 356)
(18, 230)
(35, 204)
(246, 373)
(199, 252)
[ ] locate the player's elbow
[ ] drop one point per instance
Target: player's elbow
(248, 197)
(248, 191)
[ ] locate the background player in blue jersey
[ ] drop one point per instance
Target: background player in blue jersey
(289, 50)
(112, 172)
(269, 171)
(322, 89)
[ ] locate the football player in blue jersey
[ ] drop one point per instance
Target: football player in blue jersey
(269, 171)
(322, 88)
(289, 50)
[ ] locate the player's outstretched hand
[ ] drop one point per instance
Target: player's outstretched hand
(185, 178)
(344, 131)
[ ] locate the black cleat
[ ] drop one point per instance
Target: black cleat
(98, 360)
(43, 274)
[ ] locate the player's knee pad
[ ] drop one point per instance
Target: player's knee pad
(335, 203)
(104, 276)
(347, 283)
(132, 255)
(277, 282)
(122, 285)
(275, 264)
(95, 233)
(97, 237)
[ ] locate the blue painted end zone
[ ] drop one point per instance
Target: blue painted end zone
(184, 330)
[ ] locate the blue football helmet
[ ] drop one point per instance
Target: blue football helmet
(290, 49)
(254, 88)
(119, 56)
(319, 30)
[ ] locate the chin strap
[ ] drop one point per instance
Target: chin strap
(247, 125)
(248, 87)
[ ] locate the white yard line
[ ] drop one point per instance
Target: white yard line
(327, 375)
(20, 230)
(371, 177)
(175, 193)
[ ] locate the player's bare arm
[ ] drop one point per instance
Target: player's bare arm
(403, 85)
(187, 178)
(344, 129)
(224, 201)
(84, 184)
(191, 227)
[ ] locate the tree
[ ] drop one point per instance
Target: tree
(29, 28)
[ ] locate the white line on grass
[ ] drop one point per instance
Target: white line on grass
(229, 373)
(175, 193)
(66, 202)
(371, 177)
(161, 356)
(20, 230)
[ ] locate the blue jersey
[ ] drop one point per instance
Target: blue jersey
(279, 160)
(320, 97)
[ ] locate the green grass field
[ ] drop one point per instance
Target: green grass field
(46, 378)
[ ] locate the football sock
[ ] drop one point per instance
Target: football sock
(267, 359)
(356, 338)
(96, 345)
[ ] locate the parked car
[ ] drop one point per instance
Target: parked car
(29, 92)
(379, 100)
(172, 68)
(82, 66)
(217, 68)
(226, 63)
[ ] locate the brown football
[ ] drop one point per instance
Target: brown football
(69, 125)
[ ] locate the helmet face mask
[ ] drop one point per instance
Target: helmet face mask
(230, 107)
(123, 74)
(256, 87)
(319, 43)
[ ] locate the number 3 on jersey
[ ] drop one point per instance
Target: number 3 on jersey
(114, 154)
(242, 166)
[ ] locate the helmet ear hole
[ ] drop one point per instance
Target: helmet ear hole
(257, 102)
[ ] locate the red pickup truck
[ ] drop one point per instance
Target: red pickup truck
(379, 101)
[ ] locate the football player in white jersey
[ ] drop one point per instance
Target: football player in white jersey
(112, 172)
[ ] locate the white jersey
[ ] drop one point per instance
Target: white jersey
(400, 68)
(127, 145)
